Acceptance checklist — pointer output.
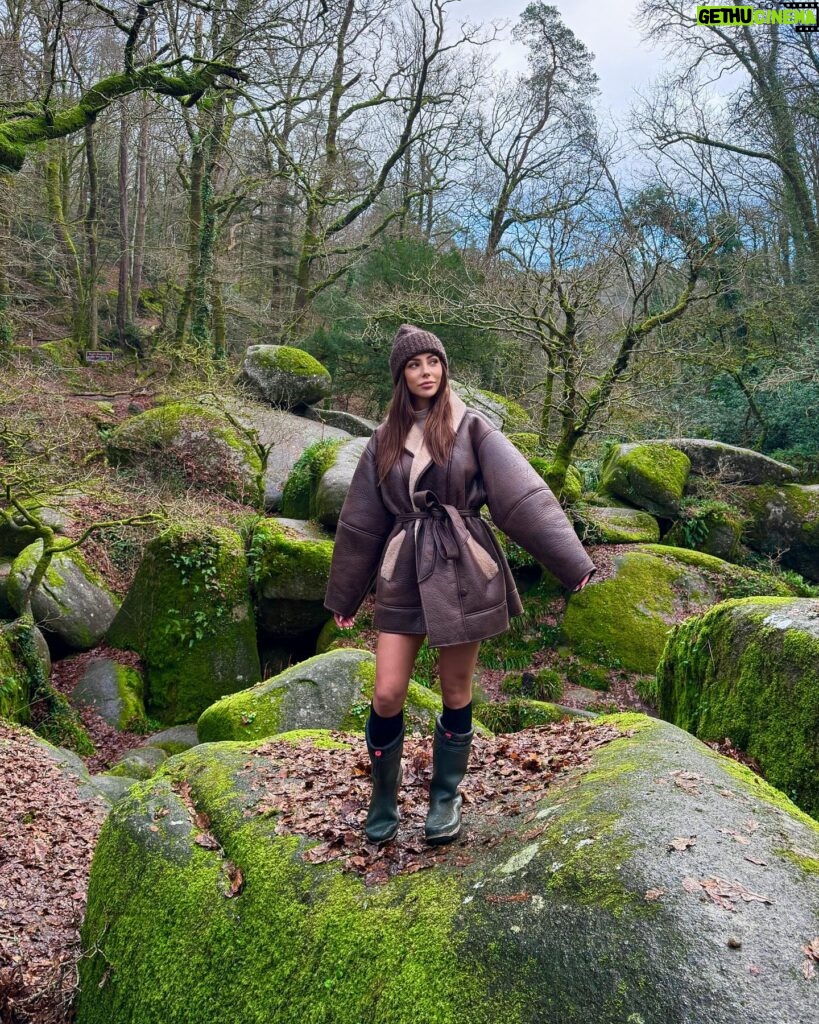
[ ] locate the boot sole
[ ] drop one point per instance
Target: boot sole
(383, 839)
(441, 840)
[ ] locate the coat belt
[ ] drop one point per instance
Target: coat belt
(442, 530)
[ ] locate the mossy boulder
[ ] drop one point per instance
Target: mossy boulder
(189, 616)
(287, 436)
(729, 463)
(783, 522)
(514, 715)
(329, 691)
(624, 621)
(189, 445)
(139, 763)
(289, 566)
(526, 442)
(358, 426)
(15, 681)
(504, 413)
(62, 353)
(710, 526)
(335, 481)
(299, 496)
(749, 670)
(6, 610)
(72, 605)
(176, 739)
(285, 377)
(609, 525)
(113, 690)
(650, 476)
(236, 922)
(16, 533)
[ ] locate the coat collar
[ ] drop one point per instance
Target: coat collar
(415, 443)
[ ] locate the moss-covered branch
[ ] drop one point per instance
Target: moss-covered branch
(187, 86)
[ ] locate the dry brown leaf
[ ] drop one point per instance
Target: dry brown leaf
(756, 860)
(812, 949)
(654, 894)
(809, 970)
(207, 841)
(682, 843)
(515, 897)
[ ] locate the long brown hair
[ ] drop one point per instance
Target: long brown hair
(438, 433)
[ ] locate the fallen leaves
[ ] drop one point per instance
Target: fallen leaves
(47, 838)
(682, 843)
(323, 794)
(654, 894)
(723, 892)
(687, 781)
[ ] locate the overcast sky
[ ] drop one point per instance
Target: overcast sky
(622, 61)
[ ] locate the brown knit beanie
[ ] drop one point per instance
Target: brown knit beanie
(411, 341)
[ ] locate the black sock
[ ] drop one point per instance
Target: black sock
(382, 731)
(457, 719)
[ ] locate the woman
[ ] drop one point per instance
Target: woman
(412, 515)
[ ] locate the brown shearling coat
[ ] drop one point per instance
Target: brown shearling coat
(439, 569)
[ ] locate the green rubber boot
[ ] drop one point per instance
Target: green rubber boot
(450, 756)
(382, 816)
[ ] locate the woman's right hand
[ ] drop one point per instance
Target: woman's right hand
(343, 623)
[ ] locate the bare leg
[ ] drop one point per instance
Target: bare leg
(395, 655)
(456, 667)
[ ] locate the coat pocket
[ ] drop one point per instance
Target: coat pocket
(390, 558)
(485, 562)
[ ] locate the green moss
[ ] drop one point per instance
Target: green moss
(214, 457)
(188, 615)
(299, 495)
(583, 673)
(545, 684)
(572, 486)
(515, 715)
(810, 865)
(527, 444)
(279, 562)
(623, 621)
(15, 684)
(303, 945)
(611, 525)
(321, 739)
(290, 360)
(254, 712)
(731, 673)
(651, 476)
(130, 689)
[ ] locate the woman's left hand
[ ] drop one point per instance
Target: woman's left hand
(582, 583)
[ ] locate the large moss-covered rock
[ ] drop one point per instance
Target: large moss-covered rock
(192, 445)
(15, 682)
(730, 464)
(289, 566)
(329, 691)
(16, 533)
(287, 437)
(113, 690)
(652, 477)
(284, 376)
(624, 620)
(783, 522)
(72, 604)
(298, 499)
(611, 525)
(335, 482)
(358, 426)
(502, 412)
(749, 670)
(710, 526)
(189, 616)
(236, 923)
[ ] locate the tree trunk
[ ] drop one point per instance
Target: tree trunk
(65, 244)
(197, 170)
(6, 330)
(90, 224)
(141, 208)
(124, 233)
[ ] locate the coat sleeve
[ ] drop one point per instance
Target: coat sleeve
(522, 505)
(363, 526)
